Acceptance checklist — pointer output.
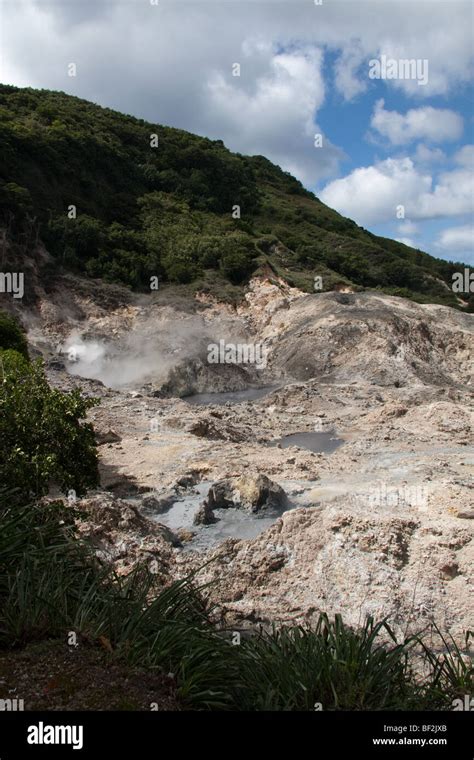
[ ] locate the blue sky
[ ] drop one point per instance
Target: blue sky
(349, 125)
(304, 69)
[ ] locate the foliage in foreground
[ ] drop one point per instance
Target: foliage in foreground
(43, 437)
(52, 583)
(12, 337)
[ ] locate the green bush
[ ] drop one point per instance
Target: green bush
(209, 251)
(11, 335)
(402, 274)
(15, 204)
(43, 439)
(356, 268)
(43, 571)
(181, 265)
(237, 259)
(237, 266)
(51, 582)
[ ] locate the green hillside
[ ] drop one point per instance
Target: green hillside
(167, 211)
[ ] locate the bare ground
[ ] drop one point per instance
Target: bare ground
(382, 526)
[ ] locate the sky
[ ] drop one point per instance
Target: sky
(368, 102)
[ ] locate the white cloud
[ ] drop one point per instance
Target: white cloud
(426, 123)
(277, 112)
(457, 238)
(347, 75)
(406, 241)
(425, 155)
(373, 194)
(465, 156)
(439, 32)
(452, 195)
(408, 228)
(171, 63)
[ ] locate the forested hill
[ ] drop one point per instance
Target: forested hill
(151, 200)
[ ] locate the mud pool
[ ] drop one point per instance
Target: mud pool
(318, 443)
(232, 397)
(237, 523)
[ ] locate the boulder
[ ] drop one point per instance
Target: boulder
(189, 479)
(252, 492)
(158, 505)
(205, 514)
(221, 495)
(108, 436)
(259, 492)
(208, 426)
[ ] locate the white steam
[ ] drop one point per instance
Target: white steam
(132, 361)
(146, 354)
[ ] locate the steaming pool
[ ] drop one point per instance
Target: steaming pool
(232, 397)
(232, 522)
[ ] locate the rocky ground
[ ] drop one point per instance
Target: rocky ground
(383, 525)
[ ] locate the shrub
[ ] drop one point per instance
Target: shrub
(237, 260)
(42, 437)
(11, 335)
(209, 251)
(237, 266)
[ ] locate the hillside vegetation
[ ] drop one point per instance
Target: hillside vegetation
(167, 211)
